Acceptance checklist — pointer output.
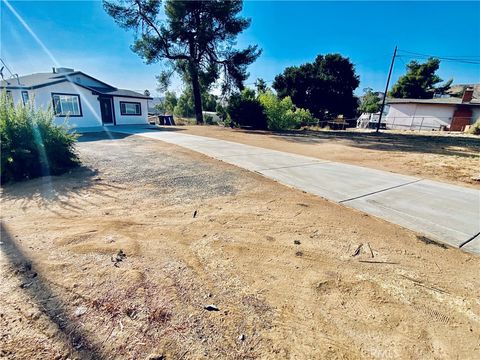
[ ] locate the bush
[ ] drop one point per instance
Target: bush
(31, 144)
(209, 120)
(282, 114)
(245, 110)
(475, 128)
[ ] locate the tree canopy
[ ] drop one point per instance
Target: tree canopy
(325, 87)
(194, 38)
(261, 85)
(168, 103)
(370, 102)
(419, 81)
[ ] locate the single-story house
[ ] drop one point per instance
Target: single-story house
(443, 113)
(82, 99)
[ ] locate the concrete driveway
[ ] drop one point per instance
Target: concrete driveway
(446, 213)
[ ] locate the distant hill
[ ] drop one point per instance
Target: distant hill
(152, 103)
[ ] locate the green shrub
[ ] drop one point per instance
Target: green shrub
(475, 128)
(282, 114)
(244, 109)
(31, 144)
(209, 120)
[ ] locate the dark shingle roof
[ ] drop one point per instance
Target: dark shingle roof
(117, 92)
(43, 79)
(30, 80)
(438, 101)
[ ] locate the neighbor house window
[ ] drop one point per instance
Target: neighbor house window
(25, 97)
(130, 108)
(67, 105)
(9, 95)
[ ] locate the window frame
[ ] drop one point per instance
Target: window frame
(124, 113)
(25, 92)
(69, 115)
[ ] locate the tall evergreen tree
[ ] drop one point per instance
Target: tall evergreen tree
(419, 81)
(195, 38)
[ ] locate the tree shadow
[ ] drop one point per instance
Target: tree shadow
(48, 192)
(114, 134)
(385, 141)
(36, 286)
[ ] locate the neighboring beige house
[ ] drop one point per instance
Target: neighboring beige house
(444, 113)
(78, 97)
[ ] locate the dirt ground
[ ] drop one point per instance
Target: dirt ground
(292, 276)
(453, 158)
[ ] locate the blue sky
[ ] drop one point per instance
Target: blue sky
(81, 35)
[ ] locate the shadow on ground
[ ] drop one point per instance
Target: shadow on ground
(419, 143)
(57, 191)
(39, 291)
(113, 135)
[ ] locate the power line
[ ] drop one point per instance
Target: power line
(445, 56)
(452, 59)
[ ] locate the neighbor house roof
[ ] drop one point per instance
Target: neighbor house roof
(436, 101)
(38, 80)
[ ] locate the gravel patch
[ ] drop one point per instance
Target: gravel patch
(150, 165)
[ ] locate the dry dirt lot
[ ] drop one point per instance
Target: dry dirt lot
(453, 158)
(293, 276)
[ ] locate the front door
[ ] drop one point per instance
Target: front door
(106, 110)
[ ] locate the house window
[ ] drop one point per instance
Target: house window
(9, 95)
(25, 97)
(130, 108)
(66, 105)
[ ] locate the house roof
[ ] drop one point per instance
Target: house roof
(116, 92)
(37, 80)
(436, 101)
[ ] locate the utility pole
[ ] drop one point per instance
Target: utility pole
(386, 90)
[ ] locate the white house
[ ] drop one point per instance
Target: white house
(444, 113)
(82, 99)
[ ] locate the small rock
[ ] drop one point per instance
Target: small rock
(79, 311)
(25, 285)
(35, 315)
(242, 337)
(299, 253)
(211, 308)
(296, 242)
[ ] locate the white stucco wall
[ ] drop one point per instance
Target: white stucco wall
(88, 102)
(42, 98)
(414, 116)
(130, 119)
(17, 95)
(91, 115)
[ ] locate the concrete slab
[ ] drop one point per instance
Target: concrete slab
(444, 212)
(473, 246)
(269, 160)
(338, 182)
(225, 149)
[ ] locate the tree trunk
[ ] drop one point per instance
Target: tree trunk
(197, 95)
